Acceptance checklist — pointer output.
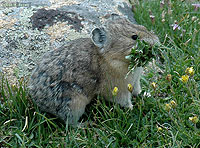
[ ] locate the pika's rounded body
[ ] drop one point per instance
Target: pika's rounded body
(68, 78)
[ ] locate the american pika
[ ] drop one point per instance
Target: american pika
(68, 78)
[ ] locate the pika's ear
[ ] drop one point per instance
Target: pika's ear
(99, 37)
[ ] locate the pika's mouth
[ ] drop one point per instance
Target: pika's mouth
(141, 53)
(128, 53)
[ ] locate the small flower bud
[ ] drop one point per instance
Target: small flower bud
(190, 71)
(152, 18)
(130, 88)
(184, 78)
(173, 104)
(167, 107)
(163, 14)
(162, 4)
(159, 129)
(13, 87)
(169, 77)
(153, 84)
(194, 119)
(115, 91)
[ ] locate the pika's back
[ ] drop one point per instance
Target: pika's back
(73, 66)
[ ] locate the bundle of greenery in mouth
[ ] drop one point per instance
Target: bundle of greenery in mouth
(142, 54)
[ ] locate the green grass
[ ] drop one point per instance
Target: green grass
(23, 125)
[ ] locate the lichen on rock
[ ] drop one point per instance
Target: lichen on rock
(28, 32)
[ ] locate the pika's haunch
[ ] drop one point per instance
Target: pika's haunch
(68, 78)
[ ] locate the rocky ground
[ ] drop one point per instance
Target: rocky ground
(29, 28)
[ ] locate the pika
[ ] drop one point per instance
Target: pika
(68, 78)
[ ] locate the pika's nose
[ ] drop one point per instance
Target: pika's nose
(152, 40)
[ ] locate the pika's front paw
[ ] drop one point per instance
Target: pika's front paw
(136, 90)
(136, 81)
(130, 107)
(136, 93)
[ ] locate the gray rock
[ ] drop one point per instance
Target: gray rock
(29, 28)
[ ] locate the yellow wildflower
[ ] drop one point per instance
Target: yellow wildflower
(130, 88)
(194, 119)
(173, 104)
(115, 91)
(189, 71)
(184, 78)
(167, 107)
(153, 84)
(159, 128)
(169, 77)
(13, 86)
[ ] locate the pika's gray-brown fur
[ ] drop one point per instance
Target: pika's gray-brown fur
(68, 78)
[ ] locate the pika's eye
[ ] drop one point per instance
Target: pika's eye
(134, 37)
